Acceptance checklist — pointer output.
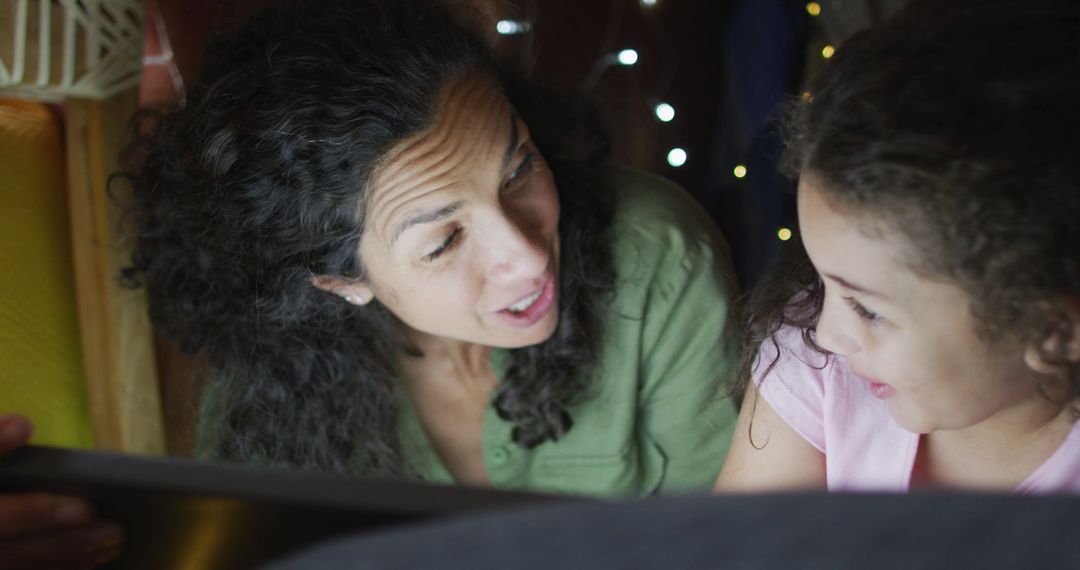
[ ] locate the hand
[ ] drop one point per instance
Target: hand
(40, 530)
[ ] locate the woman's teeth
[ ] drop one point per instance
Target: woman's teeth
(526, 302)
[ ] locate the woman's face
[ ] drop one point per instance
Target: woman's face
(461, 237)
(913, 339)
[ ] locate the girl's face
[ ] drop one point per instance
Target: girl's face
(461, 238)
(910, 337)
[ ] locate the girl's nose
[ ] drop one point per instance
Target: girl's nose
(833, 332)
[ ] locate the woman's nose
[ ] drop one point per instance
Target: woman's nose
(834, 325)
(517, 251)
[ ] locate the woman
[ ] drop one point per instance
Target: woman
(400, 261)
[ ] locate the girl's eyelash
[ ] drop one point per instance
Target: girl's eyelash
(863, 312)
(445, 246)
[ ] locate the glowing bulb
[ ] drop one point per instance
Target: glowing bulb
(784, 234)
(827, 51)
(665, 112)
(627, 57)
(813, 8)
(511, 27)
(739, 171)
(648, 3)
(676, 157)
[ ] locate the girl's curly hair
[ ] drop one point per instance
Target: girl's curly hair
(260, 182)
(954, 125)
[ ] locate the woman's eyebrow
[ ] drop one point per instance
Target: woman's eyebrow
(436, 215)
(425, 218)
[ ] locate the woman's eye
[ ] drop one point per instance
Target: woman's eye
(522, 169)
(445, 246)
(864, 313)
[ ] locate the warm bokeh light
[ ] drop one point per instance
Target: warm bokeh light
(740, 171)
(828, 51)
(676, 157)
(784, 234)
(813, 8)
(665, 112)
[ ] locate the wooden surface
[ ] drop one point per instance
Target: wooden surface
(117, 339)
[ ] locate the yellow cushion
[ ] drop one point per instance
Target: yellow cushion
(41, 372)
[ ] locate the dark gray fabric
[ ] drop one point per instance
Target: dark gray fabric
(776, 531)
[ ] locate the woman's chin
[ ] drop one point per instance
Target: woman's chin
(538, 333)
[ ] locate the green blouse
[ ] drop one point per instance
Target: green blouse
(656, 418)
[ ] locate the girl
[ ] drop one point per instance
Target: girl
(933, 337)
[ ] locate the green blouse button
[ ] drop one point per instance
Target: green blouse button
(500, 455)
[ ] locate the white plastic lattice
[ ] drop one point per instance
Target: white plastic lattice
(53, 49)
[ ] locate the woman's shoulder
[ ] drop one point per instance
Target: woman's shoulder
(665, 248)
(650, 204)
(657, 222)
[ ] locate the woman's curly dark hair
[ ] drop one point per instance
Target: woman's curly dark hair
(260, 182)
(954, 125)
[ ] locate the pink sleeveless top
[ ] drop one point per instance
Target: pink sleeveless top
(864, 448)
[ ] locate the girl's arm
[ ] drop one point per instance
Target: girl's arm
(777, 459)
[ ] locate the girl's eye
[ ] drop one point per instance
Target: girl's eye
(864, 313)
(445, 246)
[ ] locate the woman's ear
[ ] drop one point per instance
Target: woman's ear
(1060, 345)
(353, 291)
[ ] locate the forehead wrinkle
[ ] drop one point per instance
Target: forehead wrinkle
(395, 170)
(425, 169)
(436, 150)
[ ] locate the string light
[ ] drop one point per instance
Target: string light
(627, 58)
(512, 27)
(807, 96)
(676, 157)
(813, 8)
(740, 171)
(665, 112)
(828, 51)
(784, 234)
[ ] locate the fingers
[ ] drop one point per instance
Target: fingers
(41, 530)
(25, 513)
(85, 546)
(15, 431)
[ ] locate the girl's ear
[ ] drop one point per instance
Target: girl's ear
(353, 291)
(1060, 346)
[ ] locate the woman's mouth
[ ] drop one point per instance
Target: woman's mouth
(532, 308)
